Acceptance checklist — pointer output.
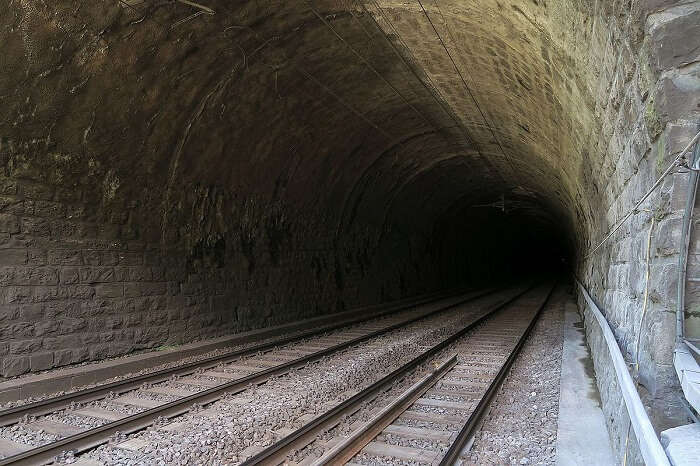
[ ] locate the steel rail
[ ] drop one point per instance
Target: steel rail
(13, 415)
(349, 447)
(277, 452)
(97, 436)
(469, 427)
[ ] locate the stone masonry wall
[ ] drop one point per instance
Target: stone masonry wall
(648, 106)
(85, 278)
(74, 289)
(166, 180)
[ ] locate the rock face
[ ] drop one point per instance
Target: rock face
(169, 174)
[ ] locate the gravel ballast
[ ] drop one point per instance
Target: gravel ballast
(521, 426)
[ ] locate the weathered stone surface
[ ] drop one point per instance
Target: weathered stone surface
(223, 187)
(41, 361)
(677, 29)
(15, 365)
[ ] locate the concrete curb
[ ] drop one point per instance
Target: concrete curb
(76, 376)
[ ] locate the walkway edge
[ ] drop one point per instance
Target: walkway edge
(649, 444)
(57, 380)
(582, 436)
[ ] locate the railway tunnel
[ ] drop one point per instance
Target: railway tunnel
(174, 171)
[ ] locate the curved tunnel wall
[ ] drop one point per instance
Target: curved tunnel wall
(171, 175)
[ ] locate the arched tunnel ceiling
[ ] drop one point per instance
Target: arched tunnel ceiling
(364, 112)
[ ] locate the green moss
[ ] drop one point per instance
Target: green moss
(660, 156)
(652, 119)
(166, 347)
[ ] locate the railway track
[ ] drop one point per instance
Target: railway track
(13, 415)
(433, 420)
(133, 404)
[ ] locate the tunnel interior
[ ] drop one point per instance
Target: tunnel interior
(482, 245)
(172, 171)
(175, 171)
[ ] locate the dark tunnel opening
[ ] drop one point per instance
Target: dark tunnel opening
(487, 244)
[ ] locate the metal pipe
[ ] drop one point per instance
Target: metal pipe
(685, 241)
(650, 447)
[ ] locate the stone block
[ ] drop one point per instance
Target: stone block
(189, 289)
(8, 186)
(66, 229)
(130, 258)
(49, 209)
(31, 312)
(18, 294)
(133, 320)
(8, 312)
(16, 330)
(109, 290)
(45, 328)
(91, 257)
(145, 289)
(70, 326)
(158, 274)
(140, 274)
(109, 231)
(679, 94)
(36, 276)
(121, 274)
(114, 322)
(63, 357)
(109, 258)
(100, 351)
(7, 276)
(37, 191)
(69, 275)
(15, 365)
(663, 282)
(97, 274)
(81, 354)
(13, 256)
(11, 205)
(36, 257)
(666, 238)
(91, 337)
(9, 223)
(68, 194)
(24, 346)
(45, 293)
(65, 257)
(152, 257)
(77, 292)
(675, 34)
(682, 444)
(41, 361)
(36, 226)
(60, 342)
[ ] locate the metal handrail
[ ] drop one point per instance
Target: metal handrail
(649, 445)
(685, 241)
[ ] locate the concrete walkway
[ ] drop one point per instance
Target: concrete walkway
(582, 437)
